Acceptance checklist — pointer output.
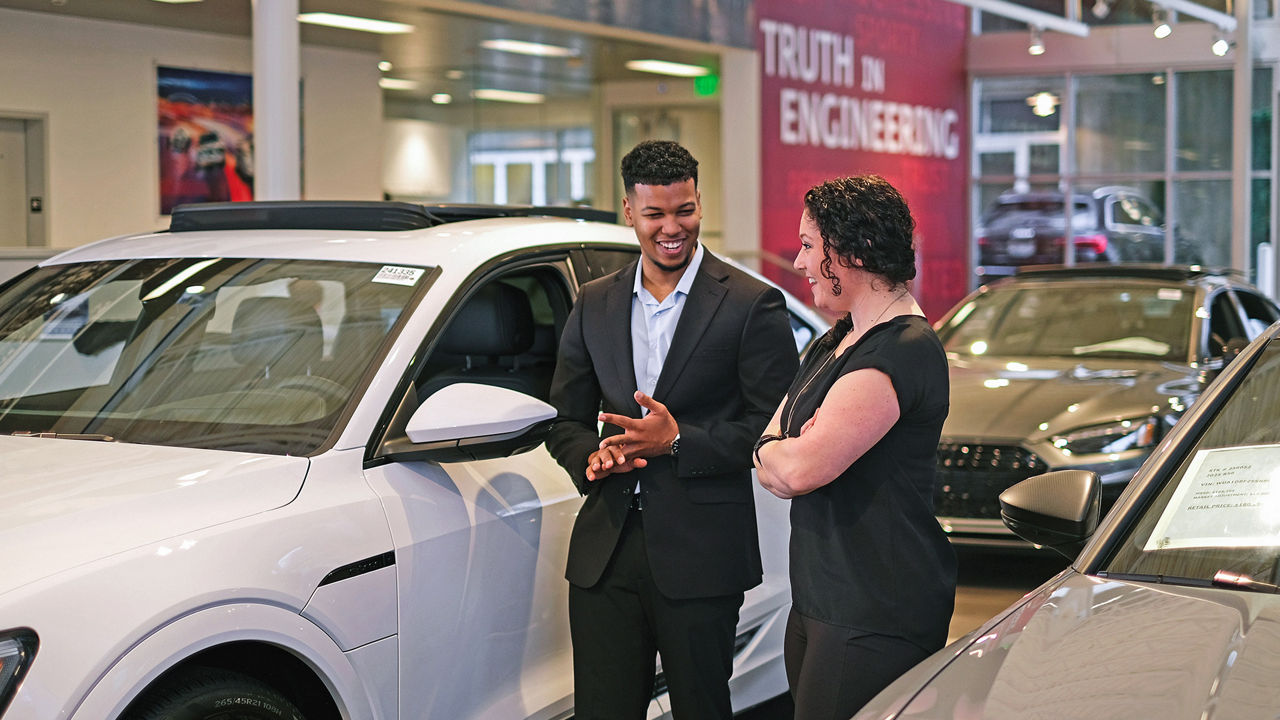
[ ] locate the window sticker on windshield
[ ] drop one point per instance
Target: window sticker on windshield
(1169, 294)
(396, 275)
(1229, 497)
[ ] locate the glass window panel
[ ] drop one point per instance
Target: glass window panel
(1202, 226)
(1120, 126)
(1262, 265)
(1044, 159)
(991, 22)
(995, 163)
(1263, 9)
(1262, 118)
(1204, 120)
(520, 183)
(1006, 105)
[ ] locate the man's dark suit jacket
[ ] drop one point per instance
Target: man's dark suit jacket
(731, 360)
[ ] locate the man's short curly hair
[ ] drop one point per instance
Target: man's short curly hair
(864, 220)
(658, 162)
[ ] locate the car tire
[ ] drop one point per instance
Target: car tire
(213, 694)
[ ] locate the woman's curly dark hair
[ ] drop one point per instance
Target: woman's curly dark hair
(864, 220)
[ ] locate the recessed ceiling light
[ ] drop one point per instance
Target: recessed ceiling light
(512, 96)
(454, 74)
(384, 66)
(173, 2)
(387, 83)
(350, 22)
(663, 67)
(442, 98)
(521, 47)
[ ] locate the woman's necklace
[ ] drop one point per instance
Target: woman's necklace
(891, 303)
(791, 411)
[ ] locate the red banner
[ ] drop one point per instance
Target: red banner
(865, 86)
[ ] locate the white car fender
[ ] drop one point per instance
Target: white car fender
(166, 647)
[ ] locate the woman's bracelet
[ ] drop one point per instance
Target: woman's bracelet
(764, 440)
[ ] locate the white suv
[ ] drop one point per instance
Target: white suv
(286, 459)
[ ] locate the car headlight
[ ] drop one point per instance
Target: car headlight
(1113, 437)
(17, 648)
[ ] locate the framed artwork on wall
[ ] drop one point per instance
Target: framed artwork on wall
(205, 136)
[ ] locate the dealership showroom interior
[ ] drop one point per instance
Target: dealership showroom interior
(295, 307)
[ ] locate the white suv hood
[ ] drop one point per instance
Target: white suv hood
(67, 502)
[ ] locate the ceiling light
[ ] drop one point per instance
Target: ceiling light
(1102, 8)
(511, 96)
(171, 2)
(387, 83)
(454, 74)
(662, 67)
(521, 47)
(384, 66)
(442, 98)
(349, 22)
(1160, 19)
(1221, 46)
(1037, 42)
(1043, 104)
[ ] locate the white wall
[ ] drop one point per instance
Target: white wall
(94, 83)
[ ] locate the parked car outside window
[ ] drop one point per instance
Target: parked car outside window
(1108, 224)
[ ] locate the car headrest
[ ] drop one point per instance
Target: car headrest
(496, 320)
(266, 330)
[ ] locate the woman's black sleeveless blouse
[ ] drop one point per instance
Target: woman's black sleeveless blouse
(866, 550)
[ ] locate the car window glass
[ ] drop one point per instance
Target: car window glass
(254, 355)
(1065, 320)
(604, 261)
(1224, 324)
(504, 332)
(1259, 313)
(1217, 508)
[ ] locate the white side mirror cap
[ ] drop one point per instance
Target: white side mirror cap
(469, 410)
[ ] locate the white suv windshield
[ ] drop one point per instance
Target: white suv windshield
(239, 354)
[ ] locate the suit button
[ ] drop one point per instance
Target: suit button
(626, 491)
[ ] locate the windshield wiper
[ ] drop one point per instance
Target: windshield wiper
(1226, 578)
(1157, 579)
(64, 436)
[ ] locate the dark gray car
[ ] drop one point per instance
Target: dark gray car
(1170, 611)
(1108, 224)
(1085, 367)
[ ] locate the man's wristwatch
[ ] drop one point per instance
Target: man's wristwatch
(675, 445)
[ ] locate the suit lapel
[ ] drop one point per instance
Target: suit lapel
(617, 314)
(704, 299)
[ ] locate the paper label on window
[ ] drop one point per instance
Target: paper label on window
(1229, 497)
(396, 275)
(1169, 294)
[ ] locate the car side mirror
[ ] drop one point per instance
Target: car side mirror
(469, 421)
(1058, 510)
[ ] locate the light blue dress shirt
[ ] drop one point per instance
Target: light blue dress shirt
(653, 324)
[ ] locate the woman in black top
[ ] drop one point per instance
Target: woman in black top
(853, 446)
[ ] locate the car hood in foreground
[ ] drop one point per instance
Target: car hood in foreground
(67, 502)
(1090, 648)
(1009, 398)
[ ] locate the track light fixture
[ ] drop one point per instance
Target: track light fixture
(1221, 45)
(1036, 46)
(1160, 21)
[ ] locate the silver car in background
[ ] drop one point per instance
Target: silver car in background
(1086, 367)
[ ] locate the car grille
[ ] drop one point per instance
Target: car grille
(971, 477)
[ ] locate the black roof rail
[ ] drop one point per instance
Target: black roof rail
(1145, 270)
(368, 215)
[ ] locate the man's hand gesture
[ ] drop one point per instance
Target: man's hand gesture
(646, 437)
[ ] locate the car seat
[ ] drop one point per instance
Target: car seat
(485, 340)
(276, 337)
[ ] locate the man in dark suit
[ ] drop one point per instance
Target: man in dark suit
(688, 357)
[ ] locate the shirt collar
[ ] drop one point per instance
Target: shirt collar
(686, 280)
